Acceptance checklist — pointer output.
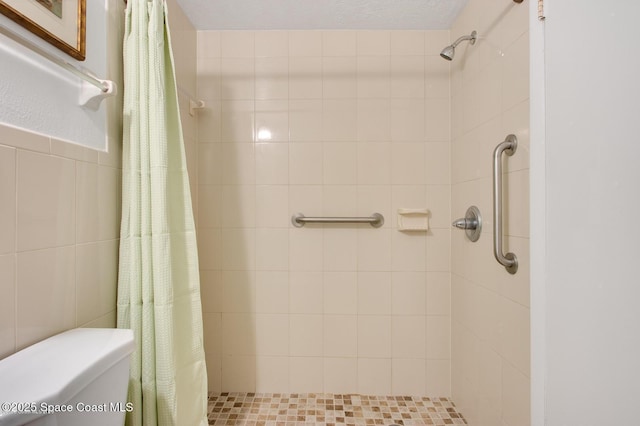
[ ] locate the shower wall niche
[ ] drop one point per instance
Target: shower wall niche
(326, 123)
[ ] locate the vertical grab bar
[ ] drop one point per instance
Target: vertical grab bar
(509, 260)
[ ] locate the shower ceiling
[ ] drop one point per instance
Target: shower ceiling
(322, 14)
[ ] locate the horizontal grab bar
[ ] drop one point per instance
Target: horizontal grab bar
(299, 220)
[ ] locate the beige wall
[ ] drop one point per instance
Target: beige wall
(490, 321)
(59, 225)
(60, 220)
(359, 123)
(60, 212)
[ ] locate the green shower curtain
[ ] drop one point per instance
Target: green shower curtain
(158, 282)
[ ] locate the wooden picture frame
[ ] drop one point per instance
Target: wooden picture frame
(60, 22)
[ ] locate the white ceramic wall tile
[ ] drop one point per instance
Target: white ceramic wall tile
(340, 375)
(408, 377)
(272, 78)
(305, 43)
(408, 293)
(272, 249)
(272, 292)
(272, 206)
(239, 249)
(489, 100)
(238, 373)
(374, 249)
(374, 165)
(306, 335)
(212, 333)
(339, 163)
(339, 77)
(439, 202)
(516, 72)
(340, 249)
(438, 293)
(339, 43)
(8, 200)
(208, 44)
(438, 337)
(375, 198)
(305, 120)
(272, 44)
(7, 305)
(438, 376)
(407, 120)
(374, 293)
(237, 78)
(304, 80)
(238, 163)
(238, 206)
(211, 291)
(238, 334)
(214, 373)
(374, 376)
(46, 299)
(435, 40)
(373, 120)
(18, 138)
(351, 133)
(515, 396)
(437, 81)
(210, 248)
(438, 252)
(374, 77)
(46, 201)
(340, 200)
(305, 292)
(409, 336)
(340, 293)
(305, 374)
(272, 164)
(305, 164)
(373, 43)
(305, 249)
(238, 291)
(339, 120)
(437, 119)
(96, 279)
(374, 336)
(209, 126)
(407, 163)
(407, 43)
(237, 44)
(238, 121)
(272, 374)
(272, 334)
(210, 206)
(340, 335)
(407, 77)
(408, 251)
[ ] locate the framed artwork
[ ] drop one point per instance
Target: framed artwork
(59, 22)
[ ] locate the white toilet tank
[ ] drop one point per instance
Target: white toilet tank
(76, 378)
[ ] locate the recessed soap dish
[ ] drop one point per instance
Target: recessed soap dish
(413, 220)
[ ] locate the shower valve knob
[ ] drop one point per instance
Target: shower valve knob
(471, 223)
(466, 224)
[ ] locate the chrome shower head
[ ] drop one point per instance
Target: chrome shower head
(449, 51)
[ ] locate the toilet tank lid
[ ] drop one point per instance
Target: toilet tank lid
(56, 369)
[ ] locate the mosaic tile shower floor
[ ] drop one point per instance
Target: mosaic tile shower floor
(280, 409)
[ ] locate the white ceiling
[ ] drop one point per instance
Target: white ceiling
(322, 14)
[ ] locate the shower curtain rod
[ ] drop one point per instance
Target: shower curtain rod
(105, 86)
